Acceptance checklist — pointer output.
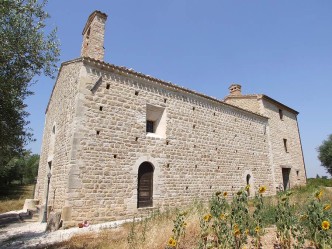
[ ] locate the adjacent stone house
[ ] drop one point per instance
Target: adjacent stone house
(119, 143)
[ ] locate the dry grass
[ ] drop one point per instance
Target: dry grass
(158, 230)
(12, 197)
(159, 227)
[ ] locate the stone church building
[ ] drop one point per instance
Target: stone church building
(119, 143)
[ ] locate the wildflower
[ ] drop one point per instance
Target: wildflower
(327, 207)
(319, 194)
(218, 193)
(225, 194)
(262, 189)
(257, 229)
(236, 227)
(207, 217)
(325, 225)
(172, 242)
(222, 217)
(247, 187)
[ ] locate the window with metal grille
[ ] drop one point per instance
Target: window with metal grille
(149, 126)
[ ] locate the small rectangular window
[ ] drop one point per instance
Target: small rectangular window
(285, 145)
(149, 126)
(281, 114)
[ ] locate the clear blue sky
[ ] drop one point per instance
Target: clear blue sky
(280, 48)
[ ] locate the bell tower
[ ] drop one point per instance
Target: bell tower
(93, 36)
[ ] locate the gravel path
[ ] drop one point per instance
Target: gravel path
(33, 235)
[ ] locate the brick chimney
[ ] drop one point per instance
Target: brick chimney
(235, 90)
(93, 36)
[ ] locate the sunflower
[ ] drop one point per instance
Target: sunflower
(207, 217)
(327, 207)
(237, 232)
(222, 217)
(172, 242)
(325, 225)
(257, 229)
(225, 194)
(262, 189)
(319, 194)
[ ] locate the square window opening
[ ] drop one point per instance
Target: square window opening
(156, 120)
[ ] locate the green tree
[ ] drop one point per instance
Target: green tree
(26, 51)
(325, 154)
(22, 169)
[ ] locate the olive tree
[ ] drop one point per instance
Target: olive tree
(26, 50)
(325, 154)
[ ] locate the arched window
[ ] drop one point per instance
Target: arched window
(145, 185)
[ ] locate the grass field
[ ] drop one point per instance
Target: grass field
(12, 197)
(154, 232)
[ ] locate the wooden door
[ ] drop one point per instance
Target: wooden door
(145, 185)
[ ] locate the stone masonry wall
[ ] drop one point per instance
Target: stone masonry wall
(247, 103)
(56, 147)
(287, 128)
(209, 146)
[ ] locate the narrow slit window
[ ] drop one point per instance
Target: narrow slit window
(285, 145)
(281, 114)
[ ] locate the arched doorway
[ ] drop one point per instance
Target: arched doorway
(145, 185)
